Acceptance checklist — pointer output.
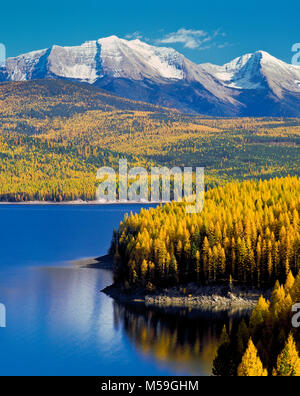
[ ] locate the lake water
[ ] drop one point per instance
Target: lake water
(58, 321)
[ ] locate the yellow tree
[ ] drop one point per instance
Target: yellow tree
(290, 280)
(251, 365)
(295, 291)
(259, 314)
(288, 362)
(144, 270)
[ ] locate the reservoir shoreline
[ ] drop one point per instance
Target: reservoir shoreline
(213, 297)
(80, 202)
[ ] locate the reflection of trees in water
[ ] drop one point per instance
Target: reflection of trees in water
(185, 339)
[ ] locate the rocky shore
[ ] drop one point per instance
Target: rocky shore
(213, 297)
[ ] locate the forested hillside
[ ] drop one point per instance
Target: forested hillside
(55, 134)
(266, 344)
(248, 232)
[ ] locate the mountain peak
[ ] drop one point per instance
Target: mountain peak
(112, 42)
(110, 38)
(263, 53)
(265, 56)
(161, 75)
(256, 71)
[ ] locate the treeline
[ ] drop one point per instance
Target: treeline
(247, 232)
(52, 129)
(58, 98)
(226, 152)
(36, 168)
(267, 344)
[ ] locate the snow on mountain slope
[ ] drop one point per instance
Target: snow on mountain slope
(281, 77)
(111, 62)
(110, 56)
(145, 60)
(228, 73)
(21, 67)
(163, 76)
(256, 71)
(74, 62)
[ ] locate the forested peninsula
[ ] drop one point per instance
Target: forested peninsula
(247, 234)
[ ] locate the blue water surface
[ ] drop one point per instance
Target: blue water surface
(58, 322)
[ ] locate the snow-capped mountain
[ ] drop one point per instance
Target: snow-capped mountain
(254, 84)
(257, 71)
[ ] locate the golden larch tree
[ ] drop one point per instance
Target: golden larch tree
(288, 362)
(251, 365)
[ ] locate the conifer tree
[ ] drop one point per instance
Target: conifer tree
(247, 230)
(251, 365)
(295, 292)
(290, 280)
(259, 313)
(223, 364)
(288, 361)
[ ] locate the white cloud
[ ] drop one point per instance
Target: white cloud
(134, 36)
(188, 38)
(192, 39)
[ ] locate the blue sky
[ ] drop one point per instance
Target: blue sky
(214, 31)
